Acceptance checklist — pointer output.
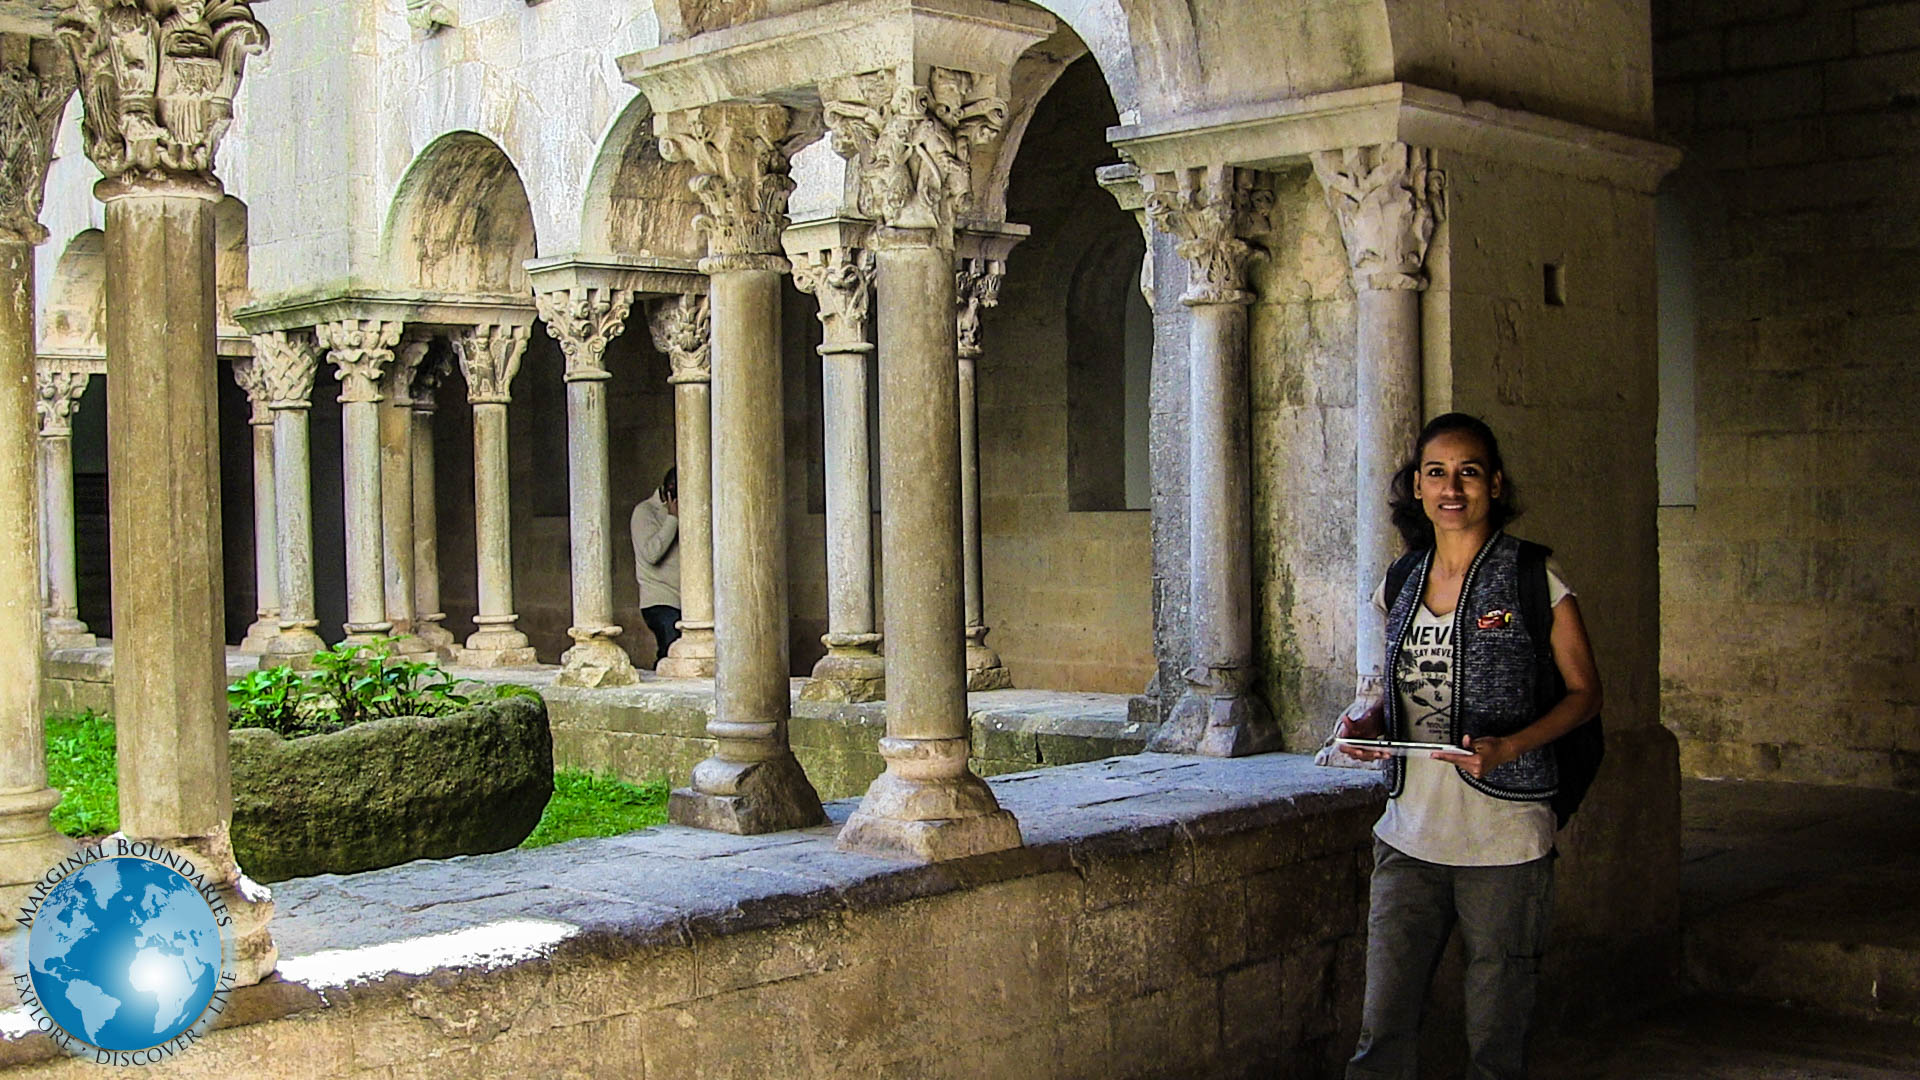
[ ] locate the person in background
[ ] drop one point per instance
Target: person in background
(656, 560)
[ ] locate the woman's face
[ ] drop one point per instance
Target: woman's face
(1454, 483)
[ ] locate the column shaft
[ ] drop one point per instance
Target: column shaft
(63, 627)
(595, 658)
(396, 514)
(266, 540)
(293, 503)
(494, 537)
(1387, 365)
(691, 656)
(366, 574)
(428, 618)
(849, 498)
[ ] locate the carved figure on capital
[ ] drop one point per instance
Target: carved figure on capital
(740, 152)
(359, 349)
(913, 145)
(287, 364)
(841, 281)
(583, 321)
(35, 81)
(401, 375)
(489, 357)
(682, 327)
(158, 78)
(976, 285)
(1210, 213)
(1388, 198)
(58, 399)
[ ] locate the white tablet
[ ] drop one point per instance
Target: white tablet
(1399, 748)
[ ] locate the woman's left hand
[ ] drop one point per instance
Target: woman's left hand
(1482, 755)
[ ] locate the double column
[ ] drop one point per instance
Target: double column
(583, 320)
(59, 392)
(422, 402)
(682, 328)
(360, 350)
(266, 541)
(840, 277)
(1209, 211)
(976, 284)
(740, 152)
(397, 497)
(489, 356)
(286, 363)
(1388, 200)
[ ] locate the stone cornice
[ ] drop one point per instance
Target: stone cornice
(642, 275)
(1287, 132)
(443, 311)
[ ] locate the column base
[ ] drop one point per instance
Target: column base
(250, 903)
(293, 647)
(851, 671)
(368, 634)
(747, 797)
(436, 637)
(691, 656)
(928, 806)
(407, 643)
(63, 633)
(1233, 724)
(595, 660)
(261, 634)
(984, 669)
(29, 844)
(495, 646)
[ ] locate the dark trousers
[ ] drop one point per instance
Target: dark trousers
(660, 619)
(1502, 913)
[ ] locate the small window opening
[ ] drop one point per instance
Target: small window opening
(1556, 285)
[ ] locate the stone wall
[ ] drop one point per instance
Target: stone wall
(1787, 583)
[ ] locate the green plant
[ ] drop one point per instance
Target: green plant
(80, 765)
(351, 684)
(594, 804)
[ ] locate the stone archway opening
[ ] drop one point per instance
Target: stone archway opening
(461, 221)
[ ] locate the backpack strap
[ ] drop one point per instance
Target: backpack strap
(1534, 596)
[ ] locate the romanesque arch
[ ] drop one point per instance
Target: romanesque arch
(638, 203)
(460, 221)
(76, 312)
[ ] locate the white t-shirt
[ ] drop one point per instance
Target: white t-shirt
(1439, 817)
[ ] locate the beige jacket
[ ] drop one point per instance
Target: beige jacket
(656, 553)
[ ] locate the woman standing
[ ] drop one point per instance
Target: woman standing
(1467, 837)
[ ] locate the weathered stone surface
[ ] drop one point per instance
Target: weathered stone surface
(389, 791)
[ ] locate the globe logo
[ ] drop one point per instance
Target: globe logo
(125, 953)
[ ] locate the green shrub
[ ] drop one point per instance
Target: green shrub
(351, 684)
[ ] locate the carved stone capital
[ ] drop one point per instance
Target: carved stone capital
(36, 79)
(424, 390)
(57, 401)
(976, 284)
(740, 153)
(408, 357)
(683, 329)
(251, 376)
(583, 320)
(841, 280)
(913, 146)
(1388, 199)
(1209, 212)
(287, 363)
(489, 357)
(359, 349)
(158, 78)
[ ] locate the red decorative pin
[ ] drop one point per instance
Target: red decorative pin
(1494, 619)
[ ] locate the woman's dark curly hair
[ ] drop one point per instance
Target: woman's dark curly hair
(1409, 517)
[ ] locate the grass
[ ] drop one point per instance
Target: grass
(80, 764)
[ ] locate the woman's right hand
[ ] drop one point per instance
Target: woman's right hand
(1363, 719)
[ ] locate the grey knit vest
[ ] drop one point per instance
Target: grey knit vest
(1496, 661)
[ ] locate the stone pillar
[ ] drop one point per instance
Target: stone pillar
(841, 279)
(583, 320)
(976, 285)
(360, 350)
(151, 130)
(1387, 200)
(682, 328)
(751, 784)
(59, 398)
(1218, 714)
(287, 364)
(396, 492)
(428, 619)
(39, 78)
(911, 160)
(266, 540)
(489, 358)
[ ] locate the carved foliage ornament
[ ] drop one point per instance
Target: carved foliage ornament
(359, 350)
(913, 145)
(250, 374)
(35, 82)
(58, 399)
(841, 280)
(158, 78)
(976, 284)
(409, 357)
(682, 328)
(489, 359)
(1209, 212)
(1388, 199)
(583, 321)
(740, 154)
(287, 364)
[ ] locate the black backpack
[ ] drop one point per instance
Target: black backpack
(1578, 753)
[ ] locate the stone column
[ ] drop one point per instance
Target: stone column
(287, 364)
(360, 350)
(682, 328)
(976, 285)
(396, 492)
(1218, 714)
(151, 129)
(428, 619)
(912, 160)
(489, 358)
(841, 279)
(583, 320)
(751, 784)
(37, 80)
(266, 540)
(1387, 200)
(59, 398)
